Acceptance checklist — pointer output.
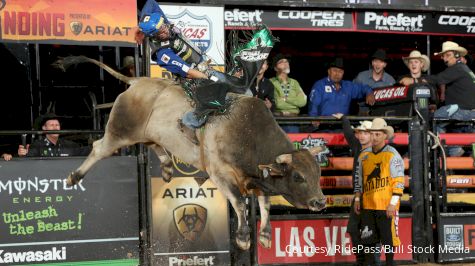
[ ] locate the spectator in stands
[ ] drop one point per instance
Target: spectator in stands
(128, 66)
(332, 94)
(418, 63)
(289, 96)
(263, 88)
(376, 76)
(459, 94)
(6, 156)
(378, 188)
(358, 138)
(51, 145)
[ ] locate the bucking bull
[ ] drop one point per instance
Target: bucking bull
(243, 152)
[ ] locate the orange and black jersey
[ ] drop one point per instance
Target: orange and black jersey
(379, 176)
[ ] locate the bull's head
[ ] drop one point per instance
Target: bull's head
(296, 176)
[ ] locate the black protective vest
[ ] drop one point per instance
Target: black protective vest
(182, 47)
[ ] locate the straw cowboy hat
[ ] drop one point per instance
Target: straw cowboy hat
(417, 55)
(452, 46)
(364, 126)
(380, 124)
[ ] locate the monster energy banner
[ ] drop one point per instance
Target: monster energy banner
(190, 222)
(42, 220)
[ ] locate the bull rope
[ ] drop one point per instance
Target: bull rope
(202, 149)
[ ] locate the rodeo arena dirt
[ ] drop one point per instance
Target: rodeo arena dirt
(223, 132)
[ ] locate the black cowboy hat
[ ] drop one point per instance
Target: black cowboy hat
(379, 54)
(279, 57)
(337, 62)
(41, 120)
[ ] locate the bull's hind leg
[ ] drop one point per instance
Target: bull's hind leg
(101, 149)
(166, 164)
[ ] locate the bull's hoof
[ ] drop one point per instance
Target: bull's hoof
(73, 179)
(265, 239)
(243, 239)
(167, 175)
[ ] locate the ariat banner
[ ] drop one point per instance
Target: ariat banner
(79, 22)
(190, 223)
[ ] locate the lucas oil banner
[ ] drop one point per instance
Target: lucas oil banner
(203, 26)
(79, 22)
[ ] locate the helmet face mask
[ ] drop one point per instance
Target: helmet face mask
(151, 24)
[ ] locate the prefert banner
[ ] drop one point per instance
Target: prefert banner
(415, 23)
(190, 223)
(79, 22)
(289, 19)
(321, 241)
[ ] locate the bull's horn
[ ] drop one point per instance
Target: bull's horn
(284, 158)
(316, 150)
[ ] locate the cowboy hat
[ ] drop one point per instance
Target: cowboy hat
(380, 124)
(379, 54)
(128, 61)
(452, 46)
(417, 55)
(279, 57)
(364, 126)
(338, 63)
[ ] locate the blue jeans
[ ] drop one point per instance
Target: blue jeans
(455, 113)
(290, 128)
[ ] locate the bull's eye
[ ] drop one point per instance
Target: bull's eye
(298, 178)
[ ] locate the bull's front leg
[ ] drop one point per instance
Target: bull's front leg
(243, 238)
(265, 232)
(166, 164)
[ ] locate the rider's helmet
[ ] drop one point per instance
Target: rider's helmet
(150, 24)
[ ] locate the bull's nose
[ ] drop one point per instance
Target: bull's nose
(317, 204)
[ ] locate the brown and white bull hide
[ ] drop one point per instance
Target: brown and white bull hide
(243, 152)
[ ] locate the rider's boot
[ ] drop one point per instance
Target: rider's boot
(189, 133)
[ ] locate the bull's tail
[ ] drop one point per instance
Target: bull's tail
(65, 62)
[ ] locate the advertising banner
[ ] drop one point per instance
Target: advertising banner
(321, 241)
(190, 223)
(42, 220)
(80, 22)
(203, 26)
(415, 23)
(457, 237)
(285, 19)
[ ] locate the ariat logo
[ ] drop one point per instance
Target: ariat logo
(76, 27)
(190, 220)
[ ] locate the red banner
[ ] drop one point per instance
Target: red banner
(69, 22)
(320, 241)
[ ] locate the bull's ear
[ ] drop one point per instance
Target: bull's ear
(284, 158)
(316, 150)
(269, 170)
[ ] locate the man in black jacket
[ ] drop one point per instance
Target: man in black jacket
(51, 145)
(358, 139)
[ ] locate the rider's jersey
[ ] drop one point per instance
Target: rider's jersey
(177, 54)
